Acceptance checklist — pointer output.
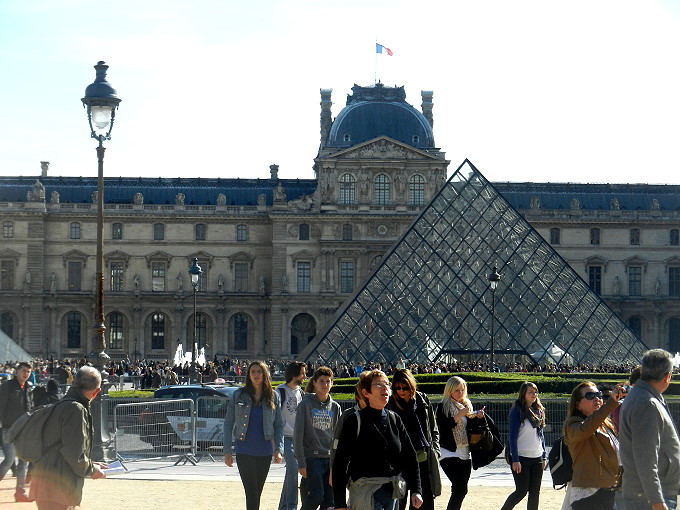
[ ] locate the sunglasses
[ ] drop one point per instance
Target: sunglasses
(401, 388)
(590, 395)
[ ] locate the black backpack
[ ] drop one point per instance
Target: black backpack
(559, 461)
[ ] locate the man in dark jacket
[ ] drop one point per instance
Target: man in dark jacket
(15, 400)
(58, 477)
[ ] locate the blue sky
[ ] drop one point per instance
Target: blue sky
(576, 91)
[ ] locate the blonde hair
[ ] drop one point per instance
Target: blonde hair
(448, 406)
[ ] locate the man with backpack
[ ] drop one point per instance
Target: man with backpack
(59, 475)
(291, 396)
(15, 401)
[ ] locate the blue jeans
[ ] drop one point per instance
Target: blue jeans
(639, 502)
(382, 499)
(289, 492)
(10, 455)
(319, 491)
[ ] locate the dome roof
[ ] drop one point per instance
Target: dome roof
(380, 111)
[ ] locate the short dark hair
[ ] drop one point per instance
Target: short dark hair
(24, 364)
(656, 363)
(293, 370)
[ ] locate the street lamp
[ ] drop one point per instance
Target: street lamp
(101, 103)
(195, 273)
(493, 278)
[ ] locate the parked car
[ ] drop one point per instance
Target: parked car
(170, 428)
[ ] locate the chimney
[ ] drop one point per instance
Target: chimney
(427, 105)
(274, 171)
(326, 119)
(44, 167)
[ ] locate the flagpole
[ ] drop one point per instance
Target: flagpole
(375, 65)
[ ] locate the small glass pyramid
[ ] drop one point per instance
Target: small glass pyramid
(429, 299)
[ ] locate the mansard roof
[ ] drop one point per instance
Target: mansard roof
(156, 190)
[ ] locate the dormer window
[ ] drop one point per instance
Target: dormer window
(416, 139)
(346, 138)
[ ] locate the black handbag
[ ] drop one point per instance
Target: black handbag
(481, 438)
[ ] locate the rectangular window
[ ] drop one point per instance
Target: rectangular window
(201, 230)
(347, 232)
(75, 275)
(594, 236)
(158, 232)
(117, 276)
(674, 281)
(595, 278)
(158, 276)
(303, 231)
(635, 281)
(241, 232)
(203, 278)
(554, 236)
(674, 239)
(635, 236)
(8, 229)
(116, 231)
(7, 275)
(74, 231)
(346, 276)
(381, 190)
(241, 271)
(73, 330)
(304, 276)
(115, 331)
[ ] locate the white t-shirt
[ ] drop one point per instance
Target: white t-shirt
(289, 408)
(528, 443)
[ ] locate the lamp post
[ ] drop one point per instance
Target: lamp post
(493, 278)
(195, 273)
(101, 103)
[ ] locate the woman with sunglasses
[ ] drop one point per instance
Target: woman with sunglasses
(526, 446)
(593, 445)
(416, 412)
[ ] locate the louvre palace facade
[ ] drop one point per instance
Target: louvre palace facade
(280, 256)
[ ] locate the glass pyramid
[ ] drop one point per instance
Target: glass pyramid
(429, 299)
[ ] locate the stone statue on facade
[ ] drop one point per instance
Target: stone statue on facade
(400, 184)
(614, 204)
(261, 286)
(279, 193)
(53, 283)
(94, 196)
(138, 199)
(655, 205)
(262, 199)
(179, 199)
(135, 281)
(180, 281)
(220, 283)
(364, 183)
(27, 281)
(616, 286)
(575, 204)
(221, 199)
(54, 198)
(657, 287)
(535, 203)
(284, 282)
(37, 193)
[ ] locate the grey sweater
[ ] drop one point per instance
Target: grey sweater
(649, 445)
(314, 425)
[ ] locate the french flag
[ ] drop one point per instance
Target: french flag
(379, 48)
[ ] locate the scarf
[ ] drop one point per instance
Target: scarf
(408, 411)
(535, 417)
(459, 429)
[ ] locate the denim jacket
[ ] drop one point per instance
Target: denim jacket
(238, 416)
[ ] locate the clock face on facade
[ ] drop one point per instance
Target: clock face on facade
(382, 230)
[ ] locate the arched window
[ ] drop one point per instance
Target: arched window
(201, 329)
(674, 335)
(240, 332)
(158, 331)
(635, 324)
(7, 324)
(303, 232)
(416, 190)
(381, 190)
(348, 190)
(115, 330)
(73, 330)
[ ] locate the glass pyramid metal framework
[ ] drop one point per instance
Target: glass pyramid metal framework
(430, 296)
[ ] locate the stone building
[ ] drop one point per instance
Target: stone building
(279, 256)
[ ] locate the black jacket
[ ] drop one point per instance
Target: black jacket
(446, 440)
(14, 401)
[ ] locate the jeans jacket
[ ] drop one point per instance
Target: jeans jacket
(238, 416)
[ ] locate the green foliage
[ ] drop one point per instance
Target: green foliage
(131, 394)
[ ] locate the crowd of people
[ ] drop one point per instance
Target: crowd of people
(386, 451)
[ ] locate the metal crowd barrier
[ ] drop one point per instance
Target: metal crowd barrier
(158, 429)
